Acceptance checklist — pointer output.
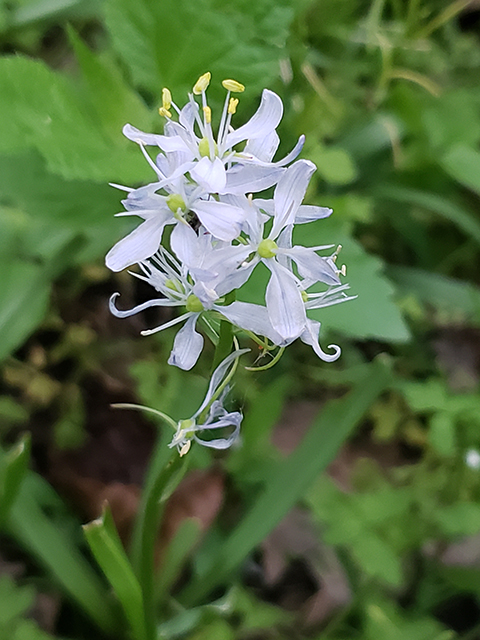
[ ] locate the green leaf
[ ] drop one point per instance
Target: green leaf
(292, 477)
(441, 434)
(115, 103)
(377, 558)
(334, 164)
(171, 43)
(14, 601)
(54, 550)
(186, 537)
(42, 109)
(443, 293)
(108, 551)
(447, 209)
(24, 296)
(373, 314)
(461, 519)
(463, 164)
(12, 472)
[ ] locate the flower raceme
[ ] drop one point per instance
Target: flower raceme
(204, 187)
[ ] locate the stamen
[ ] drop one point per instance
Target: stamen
(202, 83)
(166, 98)
(233, 85)
(232, 105)
(165, 112)
(208, 114)
(343, 270)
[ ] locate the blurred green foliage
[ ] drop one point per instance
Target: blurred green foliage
(388, 96)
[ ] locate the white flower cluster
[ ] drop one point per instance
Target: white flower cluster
(204, 188)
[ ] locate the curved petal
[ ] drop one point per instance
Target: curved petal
(222, 220)
(233, 420)
(187, 346)
(311, 336)
(251, 317)
(139, 245)
(289, 194)
(157, 302)
(285, 306)
(184, 242)
(264, 120)
(263, 148)
(217, 378)
(309, 213)
(312, 266)
(210, 174)
(167, 143)
(251, 178)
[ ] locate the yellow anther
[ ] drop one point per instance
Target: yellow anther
(185, 448)
(343, 270)
(165, 112)
(233, 85)
(304, 296)
(166, 98)
(202, 83)
(208, 114)
(232, 105)
(250, 198)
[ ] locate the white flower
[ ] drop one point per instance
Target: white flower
(284, 299)
(211, 413)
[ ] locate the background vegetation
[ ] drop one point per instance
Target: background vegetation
(386, 542)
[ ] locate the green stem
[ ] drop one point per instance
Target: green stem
(166, 470)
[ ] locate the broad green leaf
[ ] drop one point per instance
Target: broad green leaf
(452, 120)
(108, 551)
(291, 479)
(334, 164)
(447, 209)
(373, 314)
(42, 109)
(24, 295)
(171, 43)
(441, 434)
(460, 519)
(377, 558)
(463, 164)
(450, 294)
(13, 468)
(14, 601)
(115, 103)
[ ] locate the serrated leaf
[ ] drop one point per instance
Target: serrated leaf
(171, 43)
(42, 109)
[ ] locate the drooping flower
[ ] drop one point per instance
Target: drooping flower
(212, 415)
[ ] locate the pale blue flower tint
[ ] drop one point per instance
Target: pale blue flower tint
(217, 416)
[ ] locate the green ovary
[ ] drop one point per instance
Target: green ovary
(267, 248)
(193, 304)
(176, 202)
(204, 147)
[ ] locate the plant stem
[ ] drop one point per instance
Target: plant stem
(166, 470)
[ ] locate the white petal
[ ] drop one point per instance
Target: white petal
(251, 317)
(184, 242)
(222, 220)
(311, 336)
(265, 120)
(187, 346)
(285, 306)
(167, 143)
(139, 245)
(309, 213)
(233, 420)
(210, 174)
(217, 378)
(290, 192)
(312, 266)
(249, 178)
(263, 148)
